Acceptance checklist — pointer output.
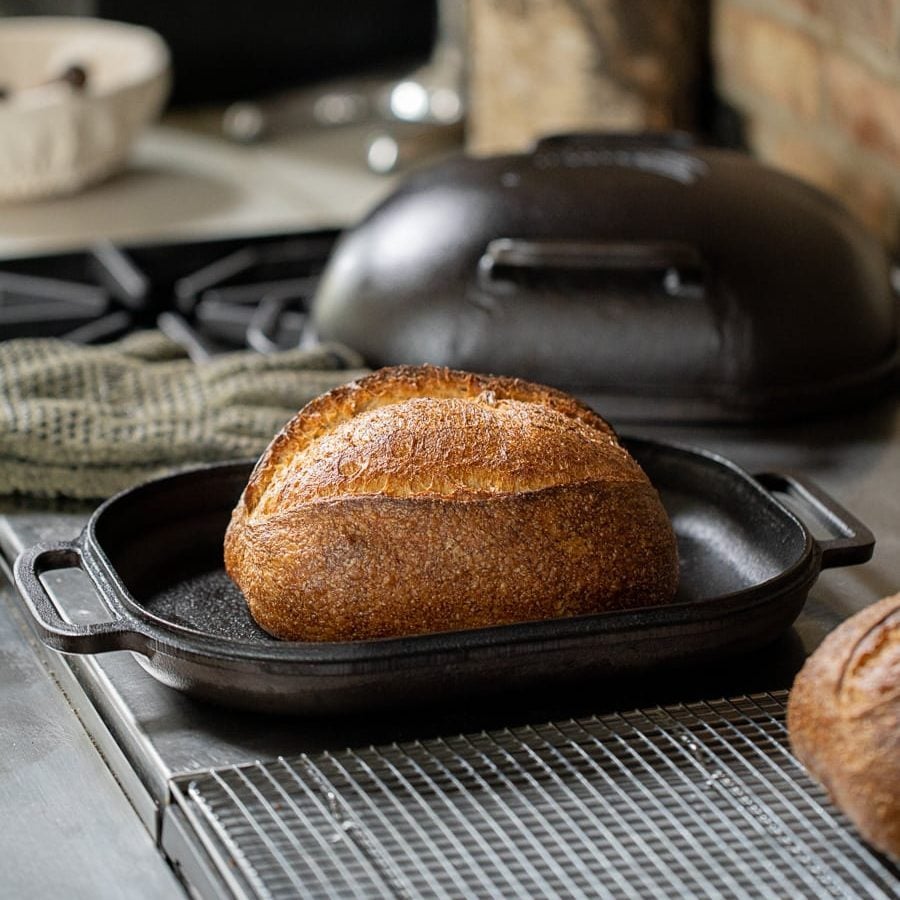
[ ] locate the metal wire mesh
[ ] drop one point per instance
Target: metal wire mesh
(702, 800)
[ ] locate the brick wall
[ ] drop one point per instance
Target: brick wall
(818, 85)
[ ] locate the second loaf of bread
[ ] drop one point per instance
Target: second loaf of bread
(843, 719)
(421, 499)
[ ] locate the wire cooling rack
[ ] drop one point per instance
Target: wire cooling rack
(701, 800)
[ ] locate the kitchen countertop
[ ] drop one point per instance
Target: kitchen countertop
(62, 808)
(184, 180)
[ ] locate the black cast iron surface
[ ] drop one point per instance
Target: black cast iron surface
(746, 567)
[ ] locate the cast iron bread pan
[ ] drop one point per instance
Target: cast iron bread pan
(154, 554)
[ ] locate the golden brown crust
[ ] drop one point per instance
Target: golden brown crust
(844, 720)
(421, 499)
(392, 386)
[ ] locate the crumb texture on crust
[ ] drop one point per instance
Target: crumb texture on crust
(844, 720)
(422, 500)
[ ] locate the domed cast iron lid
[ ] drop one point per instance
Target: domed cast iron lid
(655, 279)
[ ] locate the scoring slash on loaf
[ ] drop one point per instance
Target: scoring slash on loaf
(844, 720)
(421, 499)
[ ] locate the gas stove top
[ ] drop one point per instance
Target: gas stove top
(481, 796)
(210, 296)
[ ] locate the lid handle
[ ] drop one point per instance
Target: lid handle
(680, 266)
(671, 140)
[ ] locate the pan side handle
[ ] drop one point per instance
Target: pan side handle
(52, 628)
(853, 542)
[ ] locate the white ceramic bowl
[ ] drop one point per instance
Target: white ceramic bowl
(54, 139)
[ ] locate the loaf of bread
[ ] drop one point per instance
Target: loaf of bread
(844, 720)
(421, 499)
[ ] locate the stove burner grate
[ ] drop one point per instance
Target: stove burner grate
(210, 296)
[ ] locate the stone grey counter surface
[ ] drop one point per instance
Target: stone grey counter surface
(68, 829)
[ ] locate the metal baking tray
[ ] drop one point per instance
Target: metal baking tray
(154, 554)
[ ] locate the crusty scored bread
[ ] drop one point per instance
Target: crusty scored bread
(844, 720)
(420, 499)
